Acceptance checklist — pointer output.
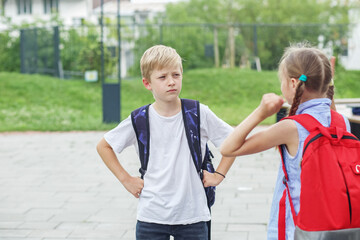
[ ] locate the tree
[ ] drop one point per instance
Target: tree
(277, 23)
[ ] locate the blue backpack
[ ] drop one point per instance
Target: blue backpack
(191, 117)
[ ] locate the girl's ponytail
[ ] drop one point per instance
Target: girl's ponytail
(313, 64)
(297, 98)
(330, 92)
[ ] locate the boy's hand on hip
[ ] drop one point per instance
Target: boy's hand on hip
(270, 104)
(134, 185)
(211, 179)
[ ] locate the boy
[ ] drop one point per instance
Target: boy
(172, 199)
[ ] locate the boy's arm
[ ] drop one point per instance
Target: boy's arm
(134, 185)
(214, 179)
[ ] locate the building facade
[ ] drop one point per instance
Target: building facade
(27, 11)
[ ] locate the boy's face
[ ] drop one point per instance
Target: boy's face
(165, 84)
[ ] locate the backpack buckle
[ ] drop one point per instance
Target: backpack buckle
(284, 180)
(142, 172)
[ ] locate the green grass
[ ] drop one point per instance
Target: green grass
(42, 103)
(232, 94)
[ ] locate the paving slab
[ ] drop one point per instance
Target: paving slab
(53, 185)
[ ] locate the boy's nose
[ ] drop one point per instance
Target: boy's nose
(171, 81)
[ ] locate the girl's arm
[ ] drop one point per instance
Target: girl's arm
(284, 132)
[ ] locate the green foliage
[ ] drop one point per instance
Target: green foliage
(10, 43)
(279, 22)
(81, 47)
(81, 50)
(10, 52)
(34, 102)
(346, 83)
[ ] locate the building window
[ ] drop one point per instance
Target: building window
(51, 6)
(24, 6)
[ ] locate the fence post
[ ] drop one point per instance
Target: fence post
(35, 62)
(119, 56)
(56, 52)
(232, 45)
(110, 91)
(255, 41)
(216, 47)
(22, 51)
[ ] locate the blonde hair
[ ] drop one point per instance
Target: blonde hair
(158, 57)
(304, 59)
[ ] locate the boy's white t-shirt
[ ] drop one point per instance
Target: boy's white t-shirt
(173, 192)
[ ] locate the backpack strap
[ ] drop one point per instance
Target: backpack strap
(282, 203)
(337, 120)
(140, 122)
(305, 120)
(310, 123)
(191, 117)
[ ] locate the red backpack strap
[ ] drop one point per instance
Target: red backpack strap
(305, 120)
(337, 120)
(282, 203)
(310, 123)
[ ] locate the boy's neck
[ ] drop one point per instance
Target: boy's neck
(167, 109)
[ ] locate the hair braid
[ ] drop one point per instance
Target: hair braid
(330, 92)
(297, 98)
(311, 62)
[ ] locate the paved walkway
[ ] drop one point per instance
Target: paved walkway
(55, 186)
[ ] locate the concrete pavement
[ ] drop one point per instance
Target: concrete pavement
(55, 186)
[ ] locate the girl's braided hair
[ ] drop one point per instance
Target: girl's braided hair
(304, 59)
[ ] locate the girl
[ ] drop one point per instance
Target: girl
(305, 74)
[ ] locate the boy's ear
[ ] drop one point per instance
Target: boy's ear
(146, 84)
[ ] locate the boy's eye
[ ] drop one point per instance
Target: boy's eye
(162, 77)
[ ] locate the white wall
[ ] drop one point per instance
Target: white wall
(69, 11)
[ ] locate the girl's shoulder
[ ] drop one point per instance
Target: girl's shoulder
(284, 132)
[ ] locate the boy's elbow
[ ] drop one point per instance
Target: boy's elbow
(102, 144)
(98, 147)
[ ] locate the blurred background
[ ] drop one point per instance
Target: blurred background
(223, 43)
(69, 72)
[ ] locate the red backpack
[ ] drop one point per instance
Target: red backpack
(330, 183)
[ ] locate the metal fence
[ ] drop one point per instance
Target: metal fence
(70, 51)
(39, 51)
